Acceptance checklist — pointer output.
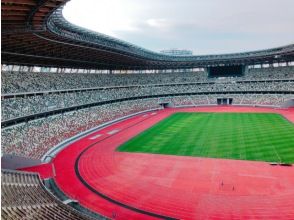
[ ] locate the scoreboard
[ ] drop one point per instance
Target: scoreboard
(226, 71)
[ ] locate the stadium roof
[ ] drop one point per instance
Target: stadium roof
(34, 32)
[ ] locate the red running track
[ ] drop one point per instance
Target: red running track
(133, 185)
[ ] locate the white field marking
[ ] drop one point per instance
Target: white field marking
(113, 131)
(95, 137)
(257, 176)
(154, 113)
(144, 116)
(280, 160)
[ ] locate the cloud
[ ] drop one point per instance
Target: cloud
(204, 26)
(159, 23)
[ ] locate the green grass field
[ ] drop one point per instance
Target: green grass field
(244, 136)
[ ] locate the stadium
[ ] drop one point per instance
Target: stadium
(94, 127)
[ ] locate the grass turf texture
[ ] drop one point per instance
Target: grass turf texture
(244, 136)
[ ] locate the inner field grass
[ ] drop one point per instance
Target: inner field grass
(245, 136)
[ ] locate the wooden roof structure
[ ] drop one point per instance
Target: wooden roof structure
(35, 33)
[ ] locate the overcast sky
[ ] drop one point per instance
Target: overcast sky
(203, 26)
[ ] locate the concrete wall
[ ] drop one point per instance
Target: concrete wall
(12, 162)
(289, 103)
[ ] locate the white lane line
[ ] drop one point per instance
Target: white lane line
(113, 131)
(95, 137)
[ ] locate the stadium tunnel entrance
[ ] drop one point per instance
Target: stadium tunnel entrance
(224, 101)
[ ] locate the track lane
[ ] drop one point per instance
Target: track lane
(181, 187)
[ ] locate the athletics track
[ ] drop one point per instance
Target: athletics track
(149, 186)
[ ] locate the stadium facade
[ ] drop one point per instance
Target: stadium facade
(65, 91)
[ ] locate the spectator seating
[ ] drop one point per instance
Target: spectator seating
(24, 196)
(35, 137)
(13, 107)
